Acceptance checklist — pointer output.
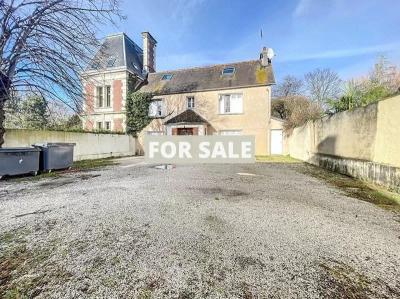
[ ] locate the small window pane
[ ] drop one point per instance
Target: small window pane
(111, 62)
(108, 125)
(231, 104)
(108, 96)
(100, 96)
(167, 77)
(228, 71)
(156, 108)
(190, 102)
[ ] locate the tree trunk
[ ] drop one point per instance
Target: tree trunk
(4, 95)
(2, 119)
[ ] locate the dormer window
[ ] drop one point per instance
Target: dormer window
(111, 61)
(228, 71)
(167, 77)
(95, 65)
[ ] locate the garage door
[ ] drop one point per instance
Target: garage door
(276, 142)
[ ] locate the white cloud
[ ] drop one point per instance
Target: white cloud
(343, 52)
(302, 7)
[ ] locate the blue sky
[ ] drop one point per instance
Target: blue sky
(345, 35)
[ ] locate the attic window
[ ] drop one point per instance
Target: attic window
(111, 61)
(95, 65)
(167, 77)
(228, 71)
(135, 66)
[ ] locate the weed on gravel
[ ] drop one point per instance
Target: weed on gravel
(355, 188)
(338, 280)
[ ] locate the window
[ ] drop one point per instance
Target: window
(190, 102)
(156, 108)
(107, 125)
(108, 96)
(99, 125)
(167, 77)
(230, 132)
(230, 104)
(111, 61)
(228, 71)
(99, 92)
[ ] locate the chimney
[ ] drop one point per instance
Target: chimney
(149, 53)
(266, 56)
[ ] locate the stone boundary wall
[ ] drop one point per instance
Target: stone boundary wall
(363, 143)
(88, 145)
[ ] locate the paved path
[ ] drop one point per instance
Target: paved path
(216, 231)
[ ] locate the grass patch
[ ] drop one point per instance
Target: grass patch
(356, 188)
(277, 159)
(76, 167)
(25, 271)
(92, 164)
(342, 281)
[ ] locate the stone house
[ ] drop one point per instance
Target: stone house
(225, 99)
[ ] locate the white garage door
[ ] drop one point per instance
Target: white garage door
(276, 142)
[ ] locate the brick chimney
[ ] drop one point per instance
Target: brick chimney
(149, 52)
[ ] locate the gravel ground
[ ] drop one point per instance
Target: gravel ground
(202, 231)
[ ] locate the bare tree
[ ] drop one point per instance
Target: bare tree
(299, 110)
(46, 44)
(323, 85)
(290, 86)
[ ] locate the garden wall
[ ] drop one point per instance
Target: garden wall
(363, 143)
(88, 145)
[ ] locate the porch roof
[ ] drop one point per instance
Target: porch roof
(187, 116)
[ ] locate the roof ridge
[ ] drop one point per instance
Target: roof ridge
(125, 37)
(204, 67)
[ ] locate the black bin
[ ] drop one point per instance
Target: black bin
(19, 160)
(55, 156)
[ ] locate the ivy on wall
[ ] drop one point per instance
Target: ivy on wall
(137, 112)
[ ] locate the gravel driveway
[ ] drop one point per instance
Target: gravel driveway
(203, 231)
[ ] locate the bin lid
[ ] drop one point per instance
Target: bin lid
(51, 144)
(18, 149)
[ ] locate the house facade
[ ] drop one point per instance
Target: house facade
(226, 99)
(119, 67)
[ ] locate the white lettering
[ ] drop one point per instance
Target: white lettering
(172, 151)
(153, 148)
(184, 150)
(246, 150)
(204, 150)
(218, 150)
(231, 152)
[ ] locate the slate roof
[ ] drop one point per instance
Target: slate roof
(118, 50)
(187, 116)
(247, 73)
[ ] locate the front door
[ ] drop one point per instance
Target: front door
(276, 142)
(185, 131)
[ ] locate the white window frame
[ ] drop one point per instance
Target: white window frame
(155, 133)
(222, 107)
(105, 125)
(228, 73)
(99, 125)
(230, 132)
(107, 96)
(190, 102)
(100, 95)
(160, 108)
